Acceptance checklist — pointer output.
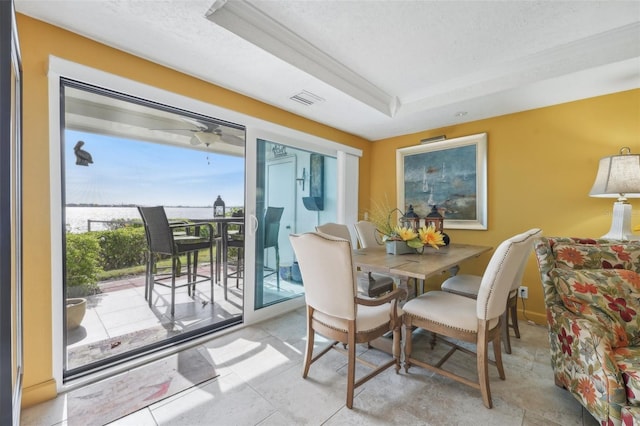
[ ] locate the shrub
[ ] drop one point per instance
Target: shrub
(82, 265)
(122, 247)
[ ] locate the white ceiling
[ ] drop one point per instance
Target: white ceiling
(381, 68)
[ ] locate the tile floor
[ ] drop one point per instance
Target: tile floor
(119, 319)
(260, 383)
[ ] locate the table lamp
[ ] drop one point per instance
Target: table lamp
(619, 177)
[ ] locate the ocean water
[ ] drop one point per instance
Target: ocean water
(77, 218)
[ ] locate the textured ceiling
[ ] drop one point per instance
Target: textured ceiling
(380, 68)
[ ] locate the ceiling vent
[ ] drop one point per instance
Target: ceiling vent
(306, 98)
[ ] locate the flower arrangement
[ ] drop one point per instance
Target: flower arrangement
(427, 235)
(381, 217)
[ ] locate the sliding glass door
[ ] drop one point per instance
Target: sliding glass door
(118, 153)
(296, 190)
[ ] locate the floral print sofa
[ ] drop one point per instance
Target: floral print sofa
(592, 298)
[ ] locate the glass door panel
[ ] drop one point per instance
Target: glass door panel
(303, 184)
(118, 153)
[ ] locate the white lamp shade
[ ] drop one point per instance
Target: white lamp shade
(618, 176)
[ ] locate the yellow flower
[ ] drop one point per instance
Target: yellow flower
(429, 235)
(405, 233)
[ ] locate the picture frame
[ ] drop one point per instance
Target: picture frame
(449, 174)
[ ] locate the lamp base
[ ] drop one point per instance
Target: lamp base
(621, 223)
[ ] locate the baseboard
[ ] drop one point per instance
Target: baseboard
(41, 392)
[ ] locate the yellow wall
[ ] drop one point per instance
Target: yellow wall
(541, 165)
(37, 41)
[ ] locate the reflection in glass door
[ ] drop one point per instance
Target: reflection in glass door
(302, 186)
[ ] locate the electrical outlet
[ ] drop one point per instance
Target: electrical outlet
(523, 291)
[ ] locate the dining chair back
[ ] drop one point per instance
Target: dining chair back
(335, 311)
(368, 283)
(469, 285)
(368, 235)
(336, 229)
(476, 321)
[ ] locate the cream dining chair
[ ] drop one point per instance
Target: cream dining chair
(469, 285)
(476, 321)
(334, 309)
(368, 235)
(369, 284)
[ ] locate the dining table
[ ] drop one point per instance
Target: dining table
(418, 266)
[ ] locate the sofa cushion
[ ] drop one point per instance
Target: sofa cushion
(628, 360)
(597, 256)
(602, 294)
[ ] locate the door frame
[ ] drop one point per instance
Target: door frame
(255, 129)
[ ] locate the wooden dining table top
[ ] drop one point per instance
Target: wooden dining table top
(420, 266)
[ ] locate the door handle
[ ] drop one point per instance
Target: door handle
(254, 224)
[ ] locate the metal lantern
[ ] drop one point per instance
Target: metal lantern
(410, 219)
(218, 208)
(435, 218)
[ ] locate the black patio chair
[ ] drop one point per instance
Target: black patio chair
(162, 241)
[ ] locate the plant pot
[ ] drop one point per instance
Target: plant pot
(76, 308)
(399, 247)
(296, 276)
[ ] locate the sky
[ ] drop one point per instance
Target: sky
(135, 172)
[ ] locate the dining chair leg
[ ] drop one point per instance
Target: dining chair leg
(505, 332)
(351, 366)
(407, 344)
(397, 337)
(514, 317)
(310, 341)
(482, 363)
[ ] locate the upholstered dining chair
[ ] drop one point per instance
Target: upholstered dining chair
(335, 310)
(464, 319)
(162, 241)
(469, 285)
(369, 283)
(368, 235)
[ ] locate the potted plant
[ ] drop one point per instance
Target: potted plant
(82, 266)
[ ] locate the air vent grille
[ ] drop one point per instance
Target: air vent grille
(306, 98)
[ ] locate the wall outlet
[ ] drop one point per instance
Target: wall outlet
(523, 291)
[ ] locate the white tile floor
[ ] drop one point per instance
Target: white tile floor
(122, 314)
(260, 383)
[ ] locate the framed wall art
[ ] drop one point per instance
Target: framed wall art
(449, 174)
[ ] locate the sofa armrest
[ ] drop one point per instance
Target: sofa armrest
(583, 362)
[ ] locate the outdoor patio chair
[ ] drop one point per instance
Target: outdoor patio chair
(271, 226)
(161, 241)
